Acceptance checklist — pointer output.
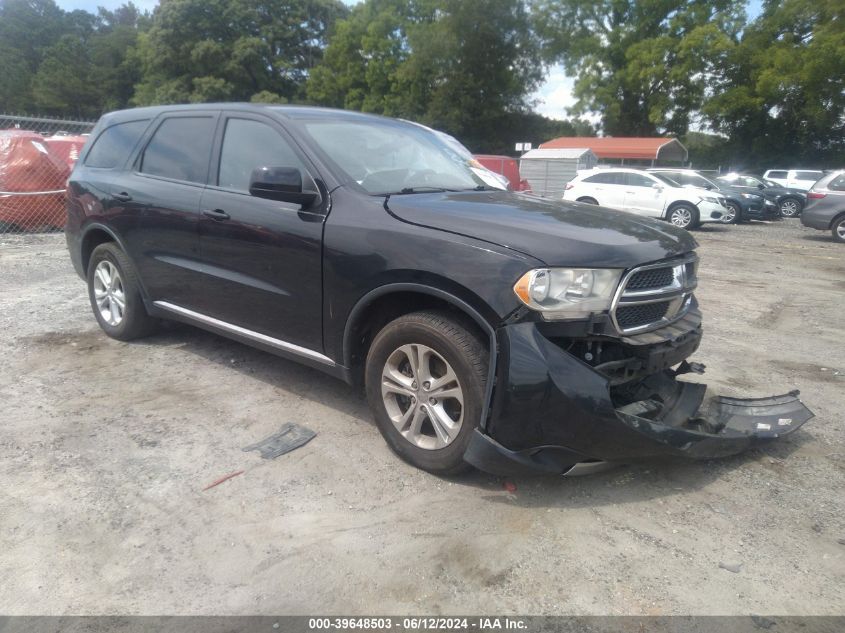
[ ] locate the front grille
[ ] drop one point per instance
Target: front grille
(651, 278)
(643, 314)
(654, 295)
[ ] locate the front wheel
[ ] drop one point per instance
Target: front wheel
(683, 216)
(790, 207)
(732, 215)
(838, 230)
(425, 379)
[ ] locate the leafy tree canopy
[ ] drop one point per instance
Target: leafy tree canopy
(642, 64)
(219, 50)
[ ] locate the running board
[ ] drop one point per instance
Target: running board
(237, 330)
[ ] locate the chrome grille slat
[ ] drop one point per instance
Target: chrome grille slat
(654, 295)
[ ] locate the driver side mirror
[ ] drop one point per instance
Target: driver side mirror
(281, 183)
(657, 186)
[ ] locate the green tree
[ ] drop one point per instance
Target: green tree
(464, 67)
(201, 50)
(62, 83)
(27, 29)
(643, 64)
(780, 92)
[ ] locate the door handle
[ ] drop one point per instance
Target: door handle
(122, 196)
(215, 214)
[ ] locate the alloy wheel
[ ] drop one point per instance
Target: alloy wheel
(681, 217)
(730, 214)
(422, 396)
(789, 208)
(108, 293)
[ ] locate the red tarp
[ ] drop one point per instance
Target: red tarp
(32, 182)
(66, 147)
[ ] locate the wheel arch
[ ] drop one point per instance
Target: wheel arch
(673, 205)
(836, 218)
(385, 303)
(96, 234)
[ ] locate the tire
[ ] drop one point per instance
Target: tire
(734, 214)
(587, 200)
(106, 293)
(396, 392)
(684, 216)
(790, 207)
(837, 229)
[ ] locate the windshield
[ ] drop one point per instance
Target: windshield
(394, 157)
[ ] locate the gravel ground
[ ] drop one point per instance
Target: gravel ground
(106, 448)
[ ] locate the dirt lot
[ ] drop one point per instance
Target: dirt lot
(106, 447)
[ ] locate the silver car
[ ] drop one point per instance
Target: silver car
(825, 208)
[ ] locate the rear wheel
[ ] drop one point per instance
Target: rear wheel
(733, 213)
(683, 216)
(115, 294)
(425, 378)
(838, 229)
(790, 207)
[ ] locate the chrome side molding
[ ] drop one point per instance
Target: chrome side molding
(245, 333)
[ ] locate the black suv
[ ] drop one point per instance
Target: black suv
(488, 327)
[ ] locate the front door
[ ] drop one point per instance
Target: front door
(643, 197)
(262, 259)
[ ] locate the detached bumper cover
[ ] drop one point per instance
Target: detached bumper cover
(551, 411)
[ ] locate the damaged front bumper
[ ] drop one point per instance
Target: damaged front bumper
(552, 411)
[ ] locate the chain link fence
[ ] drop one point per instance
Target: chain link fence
(36, 157)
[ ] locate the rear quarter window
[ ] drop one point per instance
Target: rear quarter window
(808, 175)
(113, 145)
(837, 184)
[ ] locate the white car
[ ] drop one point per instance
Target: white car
(794, 178)
(653, 195)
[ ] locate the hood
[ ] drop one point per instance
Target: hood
(559, 233)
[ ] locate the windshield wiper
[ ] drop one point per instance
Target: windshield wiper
(424, 189)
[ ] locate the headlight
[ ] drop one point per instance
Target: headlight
(568, 293)
(750, 196)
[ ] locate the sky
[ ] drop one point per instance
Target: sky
(553, 97)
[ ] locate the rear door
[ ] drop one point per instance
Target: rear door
(607, 188)
(642, 197)
(262, 259)
(160, 194)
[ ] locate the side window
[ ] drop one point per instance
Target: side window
(837, 184)
(808, 175)
(113, 145)
(777, 174)
(598, 179)
(249, 144)
(180, 149)
(638, 180)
